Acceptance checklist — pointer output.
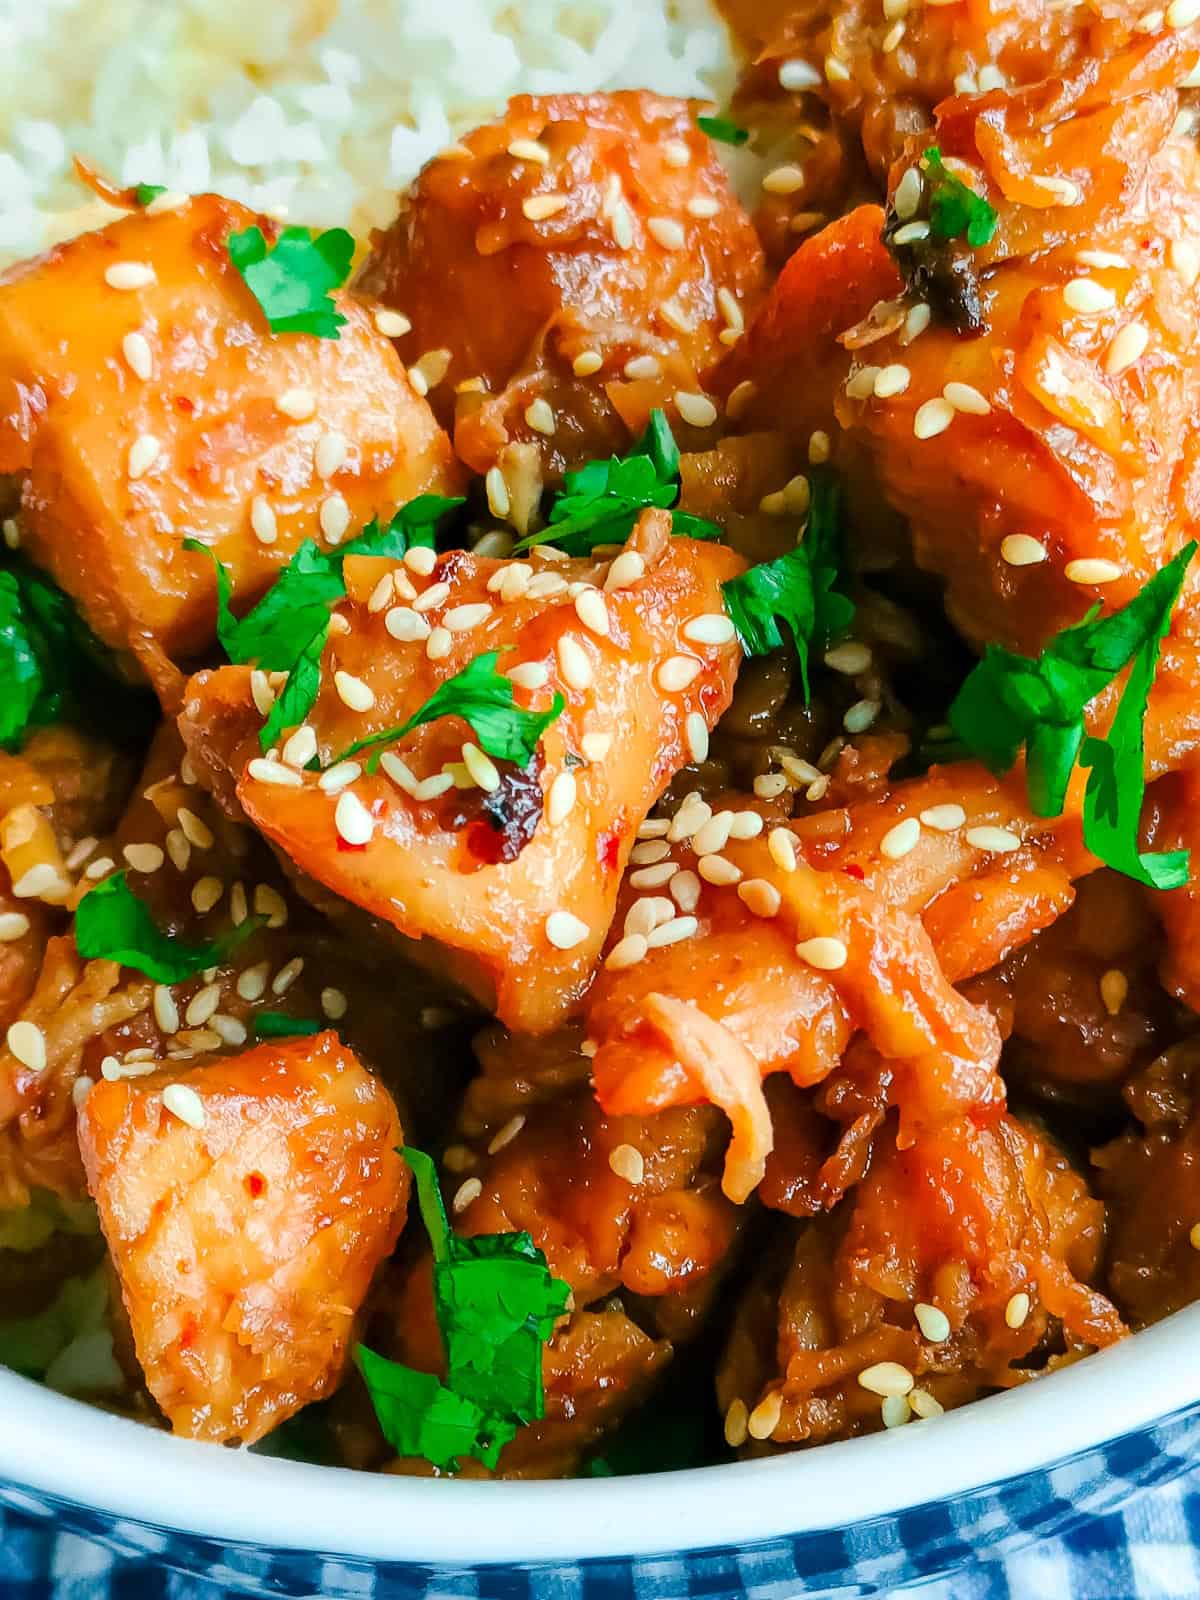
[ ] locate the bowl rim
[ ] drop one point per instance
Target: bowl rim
(60, 1447)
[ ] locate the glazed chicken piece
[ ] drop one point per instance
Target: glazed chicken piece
(564, 271)
(1026, 404)
(1150, 1179)
(246, 1205)
(959, 1265)
(508, 887)
(144, 400)
(199, 876)
(621, 1206)
(63, 789)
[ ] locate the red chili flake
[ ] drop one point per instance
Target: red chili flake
(608, 850)
(852, 870)
(182, 403)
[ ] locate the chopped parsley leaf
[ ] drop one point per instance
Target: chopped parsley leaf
(145, 192)
(482, 697)
(496, 1304)
(798, 590)
(112, 924)
(292, 279)
(724, 130)
(601, 501)
(1009, 701)
(955, 210)
(298, 695)
(54, 669)
(278, 1025)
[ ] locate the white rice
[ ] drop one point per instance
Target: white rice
(315, 109)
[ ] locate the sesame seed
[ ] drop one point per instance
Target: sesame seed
(439, 644)
(673, 314)
(786, 179)
(529, 150)
(646, 913)
(12, 533)
(27, 1043)
(731, 308)
(1088, 297)
(740, 399)
(736, 1424)
(1194, 1236)
(529, 675)
(934, 1324)
(261, 692)
(713, 834)
(546, 584)
(860, 716)
(891, 380)
(352, 819)
(205, 894)
(860, 385)
(895, 1411)
(406, 625)
(932, 418)
(514, 581)
(262, 520)
(1017, 1309)
(781, 844)
(695, 731)
(944, 819)
(622, 226)
(130, 275)
(252, 982)
(676, 153)
(498, 498)
(886, 1378)
(638, 367)
(712, 627)
(898, 841)
(964, 397)
(1092, 570)
(334, 1004)
(300, 748)
(907, 196)
(826, 954)
(627, 1162)
(539, 207)
(565, 931)
(586, 363)
(273, 772)
(653, 828)
(677, 672)
(179, 850)
(773, 505)
(1021, 550)
(182, 1101)
(836, 71)
(437, 594)
(693, 813)
(481, 767)
(718, 870)
(653, 877)
(228, 1029)
(702, 206)
(299, 404)
(431, 788)
(574, 666)
(420, 560)
(999, 841)
(761, 899)
(627, 952)
(461, 619)
(80, 1089)
(697, 410)
(850, 658)
(764, 1419)
(392, 324)
(667, 232)
(139, 358)
(1182, 13)
(287, 975)
(238, 909)
(143, 453)
(202, 1005)
(592, 611)
(684, 888)
(166, 1012)
(398, 771)
(143, 857)
(330, 454)
(42, 882)
(648, 851)
(672, 932)
(1114, 990)
(819, 446)
(796, 74)
(14, 925)
(627, 568)
(539, 414)
(466, 1195)
(911, 233)
(1127, 346)
(195, 831)
(924, 1405)
(334, 518)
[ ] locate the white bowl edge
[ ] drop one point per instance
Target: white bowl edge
(61, 1447)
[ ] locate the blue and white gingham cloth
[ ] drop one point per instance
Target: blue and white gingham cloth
(1148, 1551)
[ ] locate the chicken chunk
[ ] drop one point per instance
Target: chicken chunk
(959, 1265)
(144, 400)
(246, 1205)
(509, 887)
(564, 271)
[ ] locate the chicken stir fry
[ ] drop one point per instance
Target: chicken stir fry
(598, 799)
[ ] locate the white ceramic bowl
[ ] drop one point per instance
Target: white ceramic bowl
(878, 1510)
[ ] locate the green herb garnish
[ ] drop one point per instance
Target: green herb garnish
(496, 1304)
(53, 668)
(292, 279)
(955, 210)
(482, 697)
(724, 130)
(1010, 701)
(286, 630)
(278, 1025)
(145, 192)
(68, 1345)
(798, 590)
(112, 924)
(601, 501)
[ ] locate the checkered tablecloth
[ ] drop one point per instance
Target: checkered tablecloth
(1150, 1551)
